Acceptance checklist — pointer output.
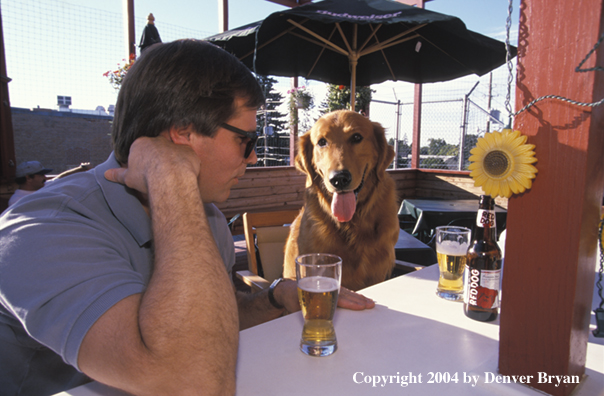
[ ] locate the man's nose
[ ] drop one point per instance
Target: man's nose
(252, 158)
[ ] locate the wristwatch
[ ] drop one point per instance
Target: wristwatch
(271, 293)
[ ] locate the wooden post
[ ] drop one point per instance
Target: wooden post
(417, 103)
(417, 126)
(551, 245)
(293, 132)
(223, 15)
(7, 146)
(130, 28)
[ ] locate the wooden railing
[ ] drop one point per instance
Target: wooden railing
(281, 188)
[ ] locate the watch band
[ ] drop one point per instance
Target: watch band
(271, 293)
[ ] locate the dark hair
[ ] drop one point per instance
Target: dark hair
(179, 84)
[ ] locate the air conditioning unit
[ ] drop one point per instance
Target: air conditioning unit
(64, 102)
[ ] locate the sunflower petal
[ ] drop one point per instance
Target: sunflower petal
(491, 187)
(483, 143)
(504, 189)
(515, 186)
(523, 181)
(480, 180)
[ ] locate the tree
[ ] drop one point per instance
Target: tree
(273, 143)
(469, 143)
(404, 150)
(338, 97)
(441, 147)
(271, 117)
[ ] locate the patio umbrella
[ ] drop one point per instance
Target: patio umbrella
(363, 42)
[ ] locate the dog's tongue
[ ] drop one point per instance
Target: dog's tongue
(343, 206)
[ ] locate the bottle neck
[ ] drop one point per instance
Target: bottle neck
(486, 225)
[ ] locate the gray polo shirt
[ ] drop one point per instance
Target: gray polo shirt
(69, 252)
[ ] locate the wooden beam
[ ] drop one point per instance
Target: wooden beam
(417, 104)
(130, 28)
(417, 126)
(7, 146)
(551, 245)
(223, 15)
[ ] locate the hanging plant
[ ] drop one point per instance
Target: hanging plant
(501, 163)
(116, 77)
(299, 99)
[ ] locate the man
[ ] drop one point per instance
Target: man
(120, 273)
(30, 176)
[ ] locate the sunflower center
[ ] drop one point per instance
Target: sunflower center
(497, 163)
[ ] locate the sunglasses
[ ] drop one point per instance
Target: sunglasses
(250, 135)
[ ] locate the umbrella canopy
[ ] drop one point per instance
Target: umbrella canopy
(363, 42)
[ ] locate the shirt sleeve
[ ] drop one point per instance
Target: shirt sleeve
(60, 273)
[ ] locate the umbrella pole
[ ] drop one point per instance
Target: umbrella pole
(353, 81)
(354, 60)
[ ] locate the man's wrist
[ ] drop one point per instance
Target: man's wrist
(271, 294)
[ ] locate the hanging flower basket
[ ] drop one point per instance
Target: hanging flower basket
(303, 102)
(116, 77)
(300, 98)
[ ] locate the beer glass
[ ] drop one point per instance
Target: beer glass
(318, 276)
(451, 247)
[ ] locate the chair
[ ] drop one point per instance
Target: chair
(265, 237)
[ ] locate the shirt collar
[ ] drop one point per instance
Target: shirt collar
(125, 206)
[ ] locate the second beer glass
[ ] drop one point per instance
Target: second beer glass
(451, 247)
(318, 276)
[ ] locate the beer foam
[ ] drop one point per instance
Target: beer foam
(319, 284)
(452, 248)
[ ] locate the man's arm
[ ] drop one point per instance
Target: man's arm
(181, 335)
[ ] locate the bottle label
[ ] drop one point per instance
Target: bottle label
(482, 288)
(486, 218)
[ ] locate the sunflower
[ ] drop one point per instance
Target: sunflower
(501, 163)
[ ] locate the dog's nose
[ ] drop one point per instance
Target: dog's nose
(340, 179)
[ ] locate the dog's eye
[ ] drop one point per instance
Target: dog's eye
(322, 142)
(356, 138)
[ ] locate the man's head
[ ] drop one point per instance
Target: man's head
(180, 84)
(31, 175)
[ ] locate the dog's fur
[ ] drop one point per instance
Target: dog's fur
(347, 141)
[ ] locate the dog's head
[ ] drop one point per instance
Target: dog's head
(341, 152)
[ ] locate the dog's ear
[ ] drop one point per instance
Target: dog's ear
(304, 158)
(386, 152)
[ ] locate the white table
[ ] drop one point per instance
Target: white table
(411, 332)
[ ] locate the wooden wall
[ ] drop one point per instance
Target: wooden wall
(280, 188)
(265, 189)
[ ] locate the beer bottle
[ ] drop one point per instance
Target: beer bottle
(483, 266)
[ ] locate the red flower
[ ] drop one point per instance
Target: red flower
(341, 87)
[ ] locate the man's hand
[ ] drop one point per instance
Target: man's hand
(353, 300)
(286, 293)
(157, 156)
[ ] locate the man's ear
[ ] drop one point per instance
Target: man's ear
(179, 135)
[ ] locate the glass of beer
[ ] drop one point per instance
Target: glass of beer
(451, 248)
(318, 276)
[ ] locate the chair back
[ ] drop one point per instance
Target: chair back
(267, 232)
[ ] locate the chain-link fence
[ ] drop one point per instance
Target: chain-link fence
(56, 50)
(453, 116)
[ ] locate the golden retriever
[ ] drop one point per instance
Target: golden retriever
(350, 206)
